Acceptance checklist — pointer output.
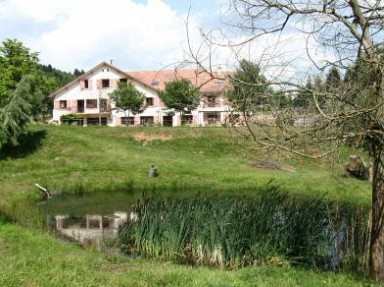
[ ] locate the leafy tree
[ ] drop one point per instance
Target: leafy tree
(128, 99)
(181, 96)
(16, 61)
(15, 113)
(18, 68)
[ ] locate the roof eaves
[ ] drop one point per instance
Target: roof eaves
(86, 74)
(90, 72)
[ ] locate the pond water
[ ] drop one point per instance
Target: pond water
(90, 219)
(229, 231)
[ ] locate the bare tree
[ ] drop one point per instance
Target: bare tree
(349, 35)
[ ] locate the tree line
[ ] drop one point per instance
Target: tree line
(25, 85)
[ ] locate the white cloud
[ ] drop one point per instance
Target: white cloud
(136, 35)
(81, 33)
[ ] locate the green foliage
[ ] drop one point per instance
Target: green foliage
(360, 91)
(70, 118)
(315, 86)
(128, 98)
(109, 159)
(333, 79)
(77, 72)
(75, 159)
(304, 96)
(16, 61)
(14, 113)
(181, 96)
(249, 88)
(60, 77)
(23, 89)
(47, 81)
(232, 231)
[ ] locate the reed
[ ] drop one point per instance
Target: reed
(232, 232)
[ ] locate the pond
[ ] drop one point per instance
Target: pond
(90, 219)
(218, 230)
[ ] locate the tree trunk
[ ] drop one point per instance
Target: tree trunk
(376, 259)
(126, 113)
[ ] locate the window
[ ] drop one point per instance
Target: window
(144, 121)
(97, 121)
(123, 80)
(105, 83)
(149, 101)
(212, 118)
(63, 104)
(91, 104)
(211, 100)
(128, 121)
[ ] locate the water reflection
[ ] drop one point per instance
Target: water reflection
(90, 220)
(91, 230)
(226, 231)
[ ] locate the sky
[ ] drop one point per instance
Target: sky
(139, 35)
(79, 34)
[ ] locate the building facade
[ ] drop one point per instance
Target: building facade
(87, 97)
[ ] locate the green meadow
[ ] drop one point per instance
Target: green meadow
(211, 160)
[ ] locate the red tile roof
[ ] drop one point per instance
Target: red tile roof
(205, 82)
(215, 83)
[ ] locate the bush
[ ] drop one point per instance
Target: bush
(71, 119)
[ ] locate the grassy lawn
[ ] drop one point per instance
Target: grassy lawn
(66, 157)
(30, 258)
(73, 159)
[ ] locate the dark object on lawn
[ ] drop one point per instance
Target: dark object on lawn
(153, 171)
(356, 167)
(46, 193)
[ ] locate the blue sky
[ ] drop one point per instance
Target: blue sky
(136, 34)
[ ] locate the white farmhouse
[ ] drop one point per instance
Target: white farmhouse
(88, 97)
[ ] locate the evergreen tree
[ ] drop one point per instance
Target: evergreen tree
(304, 96)
(47, 81)
(333, 79)
(249, 92)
